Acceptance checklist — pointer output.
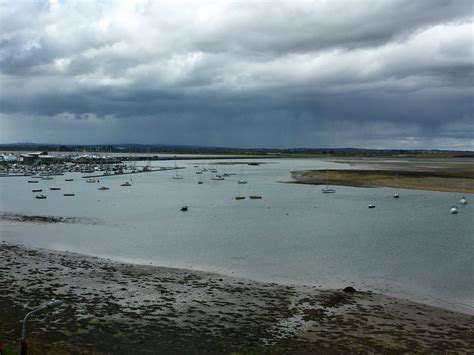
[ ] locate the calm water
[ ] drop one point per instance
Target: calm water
(411, 247)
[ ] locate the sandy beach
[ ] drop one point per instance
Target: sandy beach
(112, 307)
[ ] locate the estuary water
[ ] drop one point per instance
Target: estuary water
(411, 247)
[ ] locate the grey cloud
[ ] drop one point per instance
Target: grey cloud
(253, 74)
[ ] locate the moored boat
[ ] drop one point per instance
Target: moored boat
(396, 193)
(328, 190)
(40, 197)
(463, 200)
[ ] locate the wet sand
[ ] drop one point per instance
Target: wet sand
(113, 307)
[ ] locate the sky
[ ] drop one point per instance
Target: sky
(277, 74)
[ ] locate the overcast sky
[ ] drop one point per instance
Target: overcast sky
(372, 74)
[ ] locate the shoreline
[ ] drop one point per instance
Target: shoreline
(411, 180)
(112, 306)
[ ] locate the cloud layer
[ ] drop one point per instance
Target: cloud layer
(394, 74)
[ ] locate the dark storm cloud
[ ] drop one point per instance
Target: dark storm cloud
(389, 73)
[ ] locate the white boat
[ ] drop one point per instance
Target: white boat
(91, 181)
(241, 180)
(126, 184)
(396, 194)
(217, 177)
(453, 210)
(40, 197)
(103, 188)
(176, 175)
(239, 195)
(372, 205)
(327, 190)
(463, 200)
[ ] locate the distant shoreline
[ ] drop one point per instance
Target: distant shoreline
(415, 180)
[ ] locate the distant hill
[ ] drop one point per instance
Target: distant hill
(192, 149)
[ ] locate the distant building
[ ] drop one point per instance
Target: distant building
(39, 158)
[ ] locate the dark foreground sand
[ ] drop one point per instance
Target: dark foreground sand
(119, 308)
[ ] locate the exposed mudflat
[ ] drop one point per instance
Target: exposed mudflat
(113, 307)
(15, 217)
(403, 179)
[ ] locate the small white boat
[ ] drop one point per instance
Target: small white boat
(372, 205)
(176, 175)
(328, 190)
(103, 188)
(126, 184)
(241, 180)
(463, 200)
(453, 210)
(91, 181)
(217, 177)
(40, 197)
(396, 194)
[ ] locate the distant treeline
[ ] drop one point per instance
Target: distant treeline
(184, 149)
